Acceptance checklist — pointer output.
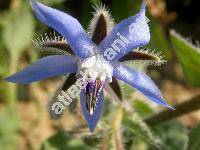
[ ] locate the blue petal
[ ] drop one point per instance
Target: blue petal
(141, 82)
(45, 67)
(91, 119)
(67, 26)
(129, 34)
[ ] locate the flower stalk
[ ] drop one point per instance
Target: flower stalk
(114, 130)
(183, 108)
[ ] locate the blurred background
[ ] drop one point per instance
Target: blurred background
(25, 122)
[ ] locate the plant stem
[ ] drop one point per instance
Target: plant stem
(118, 140)
(114, 129)
(11, 92)
(180, 109)
(117, 124)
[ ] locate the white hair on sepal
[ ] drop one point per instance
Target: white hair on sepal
(48, 37)
(42, 44)
(157, 58)
(101, 9)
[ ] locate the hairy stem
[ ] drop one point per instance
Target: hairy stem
(118, 140)
(114, 130)
(180, 109)
(117, 125)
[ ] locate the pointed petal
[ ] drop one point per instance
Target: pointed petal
(46, 67)
(67, 26)
(129, 34)
(141, 82)
(91, 119)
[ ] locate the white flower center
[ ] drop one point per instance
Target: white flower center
(97, 67)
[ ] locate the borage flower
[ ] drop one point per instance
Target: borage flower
(99, 57)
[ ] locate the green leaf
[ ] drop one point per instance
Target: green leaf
(188, 55)
(142, 108)
(173, 134)
(63, 141)
(194, 138)
(93, 140)
(86, 14)
(135, 124)
(9, 124)
(18, 29)
(52, 2)
(159, 41)
(127, 90)
(122, 10)
(3, 60)
(94, 2)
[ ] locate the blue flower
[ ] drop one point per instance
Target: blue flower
(98, 57)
